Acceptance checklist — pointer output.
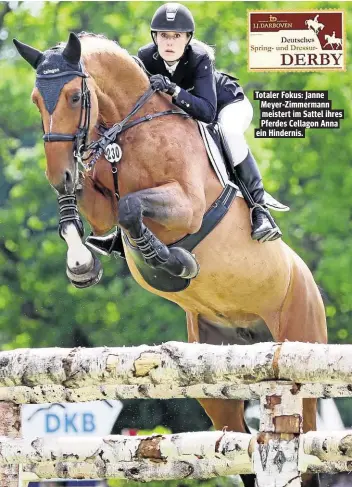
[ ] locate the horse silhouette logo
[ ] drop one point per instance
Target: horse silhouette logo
(331, 40)
(314, 24)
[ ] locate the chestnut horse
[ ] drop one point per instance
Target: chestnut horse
(245, 291)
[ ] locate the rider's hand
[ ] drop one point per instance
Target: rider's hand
(162, 83)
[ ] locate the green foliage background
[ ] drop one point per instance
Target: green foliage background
(38, 307)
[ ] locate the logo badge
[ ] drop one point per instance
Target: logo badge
(296, 41)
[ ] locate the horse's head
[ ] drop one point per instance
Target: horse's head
(68, 106)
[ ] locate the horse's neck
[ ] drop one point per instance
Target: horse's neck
(119, 84)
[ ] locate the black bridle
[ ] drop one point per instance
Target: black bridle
(79, 138)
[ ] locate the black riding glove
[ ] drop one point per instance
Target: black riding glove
(162, 83)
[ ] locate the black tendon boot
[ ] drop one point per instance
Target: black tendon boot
(111, 243)
(264, 227)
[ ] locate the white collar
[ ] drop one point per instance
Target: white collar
(171, 69)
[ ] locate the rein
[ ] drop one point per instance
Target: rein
(111, 134)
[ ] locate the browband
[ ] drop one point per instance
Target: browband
(62, 73)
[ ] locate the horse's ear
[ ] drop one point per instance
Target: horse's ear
(31, 55)
(72, 51)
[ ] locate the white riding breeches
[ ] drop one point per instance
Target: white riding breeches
(234, 120)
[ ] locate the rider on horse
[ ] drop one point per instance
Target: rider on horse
(183, 68)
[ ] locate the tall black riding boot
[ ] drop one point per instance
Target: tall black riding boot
(264, 227)
(108, 244)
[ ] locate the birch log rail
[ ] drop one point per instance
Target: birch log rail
(187, 455)
(154, 369)
(279, 374)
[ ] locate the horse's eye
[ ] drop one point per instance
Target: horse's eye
(76, 98)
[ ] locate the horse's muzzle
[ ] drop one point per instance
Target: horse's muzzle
(64, 184)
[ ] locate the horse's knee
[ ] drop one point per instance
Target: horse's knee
(129, 211)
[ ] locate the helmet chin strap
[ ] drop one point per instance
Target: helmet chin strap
(190, 38)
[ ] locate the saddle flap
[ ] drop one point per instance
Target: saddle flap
(213, 147)
(212, 142)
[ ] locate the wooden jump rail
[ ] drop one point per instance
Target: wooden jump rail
(279, 374)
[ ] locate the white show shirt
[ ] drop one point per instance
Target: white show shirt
(171, 69)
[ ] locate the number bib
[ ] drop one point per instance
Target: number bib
(113, 152)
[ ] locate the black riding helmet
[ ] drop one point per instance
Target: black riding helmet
(172, 17)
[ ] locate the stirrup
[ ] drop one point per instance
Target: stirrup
(277, 232)
(272, 234)
(264, 210)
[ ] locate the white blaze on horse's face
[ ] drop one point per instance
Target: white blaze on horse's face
(171, 45)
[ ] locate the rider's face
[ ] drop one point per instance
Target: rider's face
(171, 45)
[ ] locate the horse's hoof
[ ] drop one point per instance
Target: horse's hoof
(190, 266)
(87, 278)
(89, 283)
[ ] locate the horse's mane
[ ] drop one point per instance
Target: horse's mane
(95, 45)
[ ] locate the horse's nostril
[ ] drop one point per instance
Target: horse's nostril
(68, 182)
(68, 177)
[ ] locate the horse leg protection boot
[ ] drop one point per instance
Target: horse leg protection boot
(264, 227)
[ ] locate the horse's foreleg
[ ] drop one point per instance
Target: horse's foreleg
(168, 206)
(83, 268)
